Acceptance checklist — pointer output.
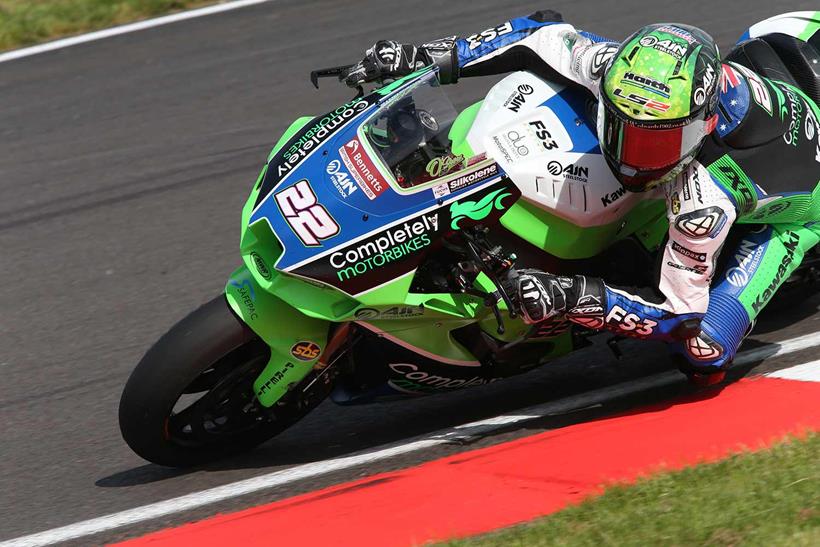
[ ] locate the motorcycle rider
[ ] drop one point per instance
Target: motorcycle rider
(670, 114)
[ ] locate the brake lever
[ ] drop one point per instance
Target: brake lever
(331, 72)
(500, 290)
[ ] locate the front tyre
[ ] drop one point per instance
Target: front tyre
(191, 400)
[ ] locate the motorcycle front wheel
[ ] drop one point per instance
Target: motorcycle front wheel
(190, 400)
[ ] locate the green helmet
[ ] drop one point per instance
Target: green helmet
(657, 103)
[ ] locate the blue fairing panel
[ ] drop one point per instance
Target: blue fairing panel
(569, 104)
(337, 191)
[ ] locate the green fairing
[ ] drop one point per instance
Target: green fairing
(289, 132)
(440, 314)
(565, 240)
(477, 210)
(460, 129)
(280, 326)
(284, 309)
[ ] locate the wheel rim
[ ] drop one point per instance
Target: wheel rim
(219, 404)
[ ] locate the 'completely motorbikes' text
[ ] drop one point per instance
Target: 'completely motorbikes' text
(390, 246)
(318, 133)
(419, 380)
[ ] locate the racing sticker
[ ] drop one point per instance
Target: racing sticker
(466, 179)
(364, 171)
(307, 141)
(630, 323)
(341, 179)
(309, 221)
(760, 92)
(483, 207)
(305, 350)
(688, 253)
(378, 258)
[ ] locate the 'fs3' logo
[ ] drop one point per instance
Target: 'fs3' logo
(629, 323)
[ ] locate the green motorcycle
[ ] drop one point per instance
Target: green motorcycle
(374, 243)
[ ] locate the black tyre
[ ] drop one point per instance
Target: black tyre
(190, 399)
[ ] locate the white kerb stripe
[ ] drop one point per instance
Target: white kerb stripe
(778, 348)
(124, 29)
(807, 372)
(457, 434)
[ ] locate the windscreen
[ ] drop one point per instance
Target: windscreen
(410, 133)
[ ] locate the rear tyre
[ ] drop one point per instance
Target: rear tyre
(191, 400)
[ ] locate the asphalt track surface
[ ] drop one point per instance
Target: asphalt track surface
(123, 167)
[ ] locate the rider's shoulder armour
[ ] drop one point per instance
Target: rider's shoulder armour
(747, 108)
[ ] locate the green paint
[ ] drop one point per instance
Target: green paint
(280, 326)
(565, 240)
(294, 128)
(477, 210)
(638, 64)
(736, 182)
(782, 256)
(811, 27)
(461, 128)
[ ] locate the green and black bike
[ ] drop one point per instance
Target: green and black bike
(373, 242)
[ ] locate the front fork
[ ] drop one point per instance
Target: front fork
(296, 341)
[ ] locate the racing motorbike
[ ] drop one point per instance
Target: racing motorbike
(375, 243)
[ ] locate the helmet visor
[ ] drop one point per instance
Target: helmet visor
(648, 146)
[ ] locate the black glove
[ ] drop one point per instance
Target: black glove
(542, 297)
(386, 60)
(390, 60)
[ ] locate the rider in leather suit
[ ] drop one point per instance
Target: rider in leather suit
(720, 177)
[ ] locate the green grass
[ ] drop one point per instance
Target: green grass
(26, 22)
(766, 498)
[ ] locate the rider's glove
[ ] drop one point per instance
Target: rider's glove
(542, 297)
(389, 60)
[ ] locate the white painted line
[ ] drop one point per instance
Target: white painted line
(807, 372)
(455, 434)
(779, 348)
(124, 29)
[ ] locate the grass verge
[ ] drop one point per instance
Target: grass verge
(26, 22)
(767, 498)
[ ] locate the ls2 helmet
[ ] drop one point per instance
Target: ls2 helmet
(658, 103)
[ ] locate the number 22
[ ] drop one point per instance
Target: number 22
(309, 221)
